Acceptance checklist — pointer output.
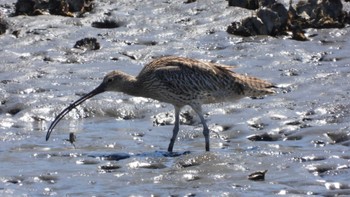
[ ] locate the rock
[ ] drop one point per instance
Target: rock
(190, 1)
(257, 176)
(299, 34)
(24, 7)
(264, 137)
(307, 7)
(267, 22)
(107, 24)
(109, 168)
(87, 44)
(271, 21)
(266, 3)
(251, 4)
(282, 13)
(4, 25)
(59, 7)
(54, 7)
(80, 6)
(324, 14)
(273, 18)
(250, 26)
(248, 4)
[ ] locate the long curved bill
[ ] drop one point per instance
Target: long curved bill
(94, 92)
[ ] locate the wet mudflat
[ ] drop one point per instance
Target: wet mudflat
(300, 135)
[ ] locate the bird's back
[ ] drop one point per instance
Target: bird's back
(181, 81)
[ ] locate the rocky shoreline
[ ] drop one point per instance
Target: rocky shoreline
(271, 17)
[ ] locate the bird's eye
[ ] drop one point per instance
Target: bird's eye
(110, 80)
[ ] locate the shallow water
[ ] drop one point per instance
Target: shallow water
(120, 147)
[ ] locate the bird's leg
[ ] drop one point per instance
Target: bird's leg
(198, 110)
(205, 132)
(176, 129)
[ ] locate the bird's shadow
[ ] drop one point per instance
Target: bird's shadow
(121, 156)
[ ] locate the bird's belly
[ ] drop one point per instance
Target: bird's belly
(182, 99)
(219, 98)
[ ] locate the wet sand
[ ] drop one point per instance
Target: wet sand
(300, 135)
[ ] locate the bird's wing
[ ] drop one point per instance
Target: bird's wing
(187, 75)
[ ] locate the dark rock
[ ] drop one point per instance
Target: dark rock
(109, 168)
(251, 4)
(4, 25)
(54, 7)
(79, 5)
(190, 1)
(59, 7)
(274, 19)
(266, 3)
(271, 21)
(87, 44)
(307, 7)
(107, 24)
(24, 7)
(282, 13)
(298, 33)
(14, 180)
(248, 4)
(264, 137)
(5, 81)
(14, 111)
(257, 176)
(325, 14)
(250, 26)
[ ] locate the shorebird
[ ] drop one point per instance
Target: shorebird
(180, 82)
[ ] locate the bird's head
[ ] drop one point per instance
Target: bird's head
(113, 81)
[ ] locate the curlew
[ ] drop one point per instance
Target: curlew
(179, 81)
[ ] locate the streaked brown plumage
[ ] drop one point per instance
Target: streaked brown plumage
(180, 81)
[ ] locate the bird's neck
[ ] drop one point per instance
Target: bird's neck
(131, 86)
